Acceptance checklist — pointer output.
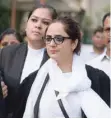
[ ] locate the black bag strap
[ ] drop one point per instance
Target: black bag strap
(63, 109)
(62, 106)
(36, 107)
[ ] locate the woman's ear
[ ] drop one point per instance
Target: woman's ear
(74, 44)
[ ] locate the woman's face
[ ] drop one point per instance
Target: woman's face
(62, 51)
(9, 39)
(37, 24)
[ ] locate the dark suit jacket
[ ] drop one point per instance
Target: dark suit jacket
(12, 60)
(11, 64)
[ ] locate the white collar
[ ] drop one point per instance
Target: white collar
(35, 51)
(104, 56)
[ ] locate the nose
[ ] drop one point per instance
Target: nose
(52, 43)
(38, 24)
(9, 43)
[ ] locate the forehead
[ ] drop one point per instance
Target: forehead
(56, 28)
(98, 33)
(9, 37)
(107, 22)
(42, 13)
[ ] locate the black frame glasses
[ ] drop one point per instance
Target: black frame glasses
(58, 39)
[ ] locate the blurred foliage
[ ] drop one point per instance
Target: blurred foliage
(5, 15)
(101, 13)
(87, 23)
(86, 29)
(19, 17)
(4, 18)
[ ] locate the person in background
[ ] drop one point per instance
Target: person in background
(103, 61)
(97, 47)
(65, 87)
(9, 37)
(18, 62)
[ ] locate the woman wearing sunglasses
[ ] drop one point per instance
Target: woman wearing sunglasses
(65, 86)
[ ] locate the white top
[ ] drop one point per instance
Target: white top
(101, 62)
(74, 91)
(32, 62)
(87, 53)
(49, 107)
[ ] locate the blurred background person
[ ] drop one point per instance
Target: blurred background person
(9, 37)
(97, 47)
(103, 61)
(98, 42)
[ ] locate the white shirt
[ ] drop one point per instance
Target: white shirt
(32, 62)
(87, 53)
(101, 62)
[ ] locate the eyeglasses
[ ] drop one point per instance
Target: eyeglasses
(58, 39)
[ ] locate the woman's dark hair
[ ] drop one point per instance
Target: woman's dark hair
(11, 31)
(51, 9)
(72, 28)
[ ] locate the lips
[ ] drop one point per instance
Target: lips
(36, 32)
(53, 51)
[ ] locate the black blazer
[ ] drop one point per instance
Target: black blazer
(12, 60)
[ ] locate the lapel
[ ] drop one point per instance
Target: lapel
(45, 58)
(17, 64)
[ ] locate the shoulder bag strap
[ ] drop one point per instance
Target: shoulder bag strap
(62, 106)
(36, 107)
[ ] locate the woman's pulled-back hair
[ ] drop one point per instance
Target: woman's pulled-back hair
(51, 9)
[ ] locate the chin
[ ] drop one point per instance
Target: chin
(53, 56)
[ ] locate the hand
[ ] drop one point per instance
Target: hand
(4, 89)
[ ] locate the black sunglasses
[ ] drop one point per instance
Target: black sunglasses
(58, 39)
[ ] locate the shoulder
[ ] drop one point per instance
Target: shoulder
(94, 61)
(93, 70)
(98, 77)
(8, 53)
(12, 49)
